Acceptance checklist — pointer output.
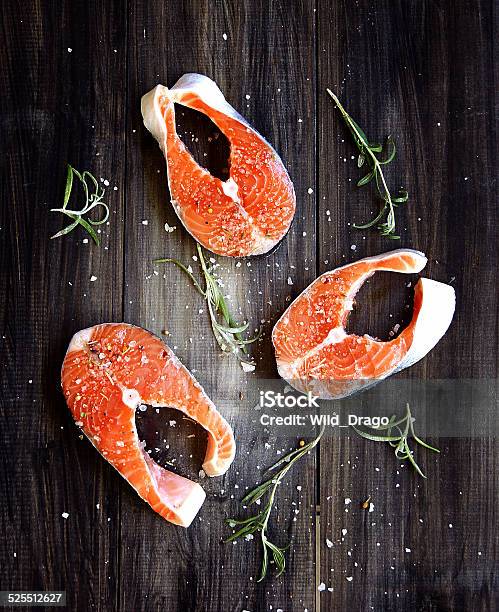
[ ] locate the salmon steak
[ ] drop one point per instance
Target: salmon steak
(250, 212)
(112, 369)
(313, 350)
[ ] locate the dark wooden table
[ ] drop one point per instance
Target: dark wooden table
(72, 74)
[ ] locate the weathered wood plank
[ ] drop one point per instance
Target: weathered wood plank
(62, 103)
(263, 58)
(417, 71)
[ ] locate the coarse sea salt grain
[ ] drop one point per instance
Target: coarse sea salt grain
(65, 515)
(145, 222)
(329, 544)
(310, 190)
(93, 278)
(321, 587)
(224, 36)
(247, 367)
(347, 501)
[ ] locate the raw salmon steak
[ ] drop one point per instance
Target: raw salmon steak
(247, 214)
(112, 369)
(314, 352)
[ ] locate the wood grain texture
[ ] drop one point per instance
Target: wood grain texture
(72, 75)
(417, 71)
(273, 55)
(61, 107)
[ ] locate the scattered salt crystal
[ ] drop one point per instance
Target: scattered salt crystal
(321, 587)
(349, 578)
(224, 36)
(120, 443)
(142, 408)
(170, 228)
(344, 532)
(310, 190)
(70, 50)
(145, 222)
(407, 550)
(371, 507)
(64, 515)
(85, 240)
(115, 188)
(353, 247)
(247, 96)
(201, 474)
(106, 182)
(247, 367)
(290, 281)
(30, 381)
(450, 525)
(173, 423)
(97, 506)
(329, 544)
(93, 278)
(304, 234)
(347, 501)
(298, 488)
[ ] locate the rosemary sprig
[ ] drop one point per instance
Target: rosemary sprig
(367, 154)
(259, 522)
(229, 333)
(93, 198)
(404, 429)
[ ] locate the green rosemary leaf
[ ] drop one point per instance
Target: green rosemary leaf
(401, 198)
(180, 265)
(69, 186)
(259, 521)
(90, 230)
(375, 221)
(373, 437)
(400, 442)
(233, 330)
(66, 230)
(391, 155)
(226, 330)
(365, 179)
(368, 154)
(93, 199)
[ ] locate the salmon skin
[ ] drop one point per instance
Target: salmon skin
(249, 213)
(111, 369)
(313, 351)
